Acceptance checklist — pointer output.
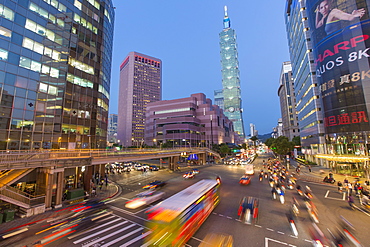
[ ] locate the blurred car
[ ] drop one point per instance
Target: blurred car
(144, 198)
(155, 184)
(188, 175)
(195, 171)
(153, 168)
(138, 167)
(245, 180)
(145, 166)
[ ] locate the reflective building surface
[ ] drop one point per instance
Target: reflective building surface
(308, 101)
(232, 103)
(55, 65)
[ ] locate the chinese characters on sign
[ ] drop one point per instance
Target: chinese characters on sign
(346, 118)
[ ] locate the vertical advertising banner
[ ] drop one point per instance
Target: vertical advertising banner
(340, 32)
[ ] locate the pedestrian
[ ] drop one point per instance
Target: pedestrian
(351, 201)
(345, 182)
(309, 168)
(349, 185)
(101, 184)
(93, 191)
(106, 181)
(340, 186)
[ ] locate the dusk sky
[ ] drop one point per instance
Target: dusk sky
(184, 35)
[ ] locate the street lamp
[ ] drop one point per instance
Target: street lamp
(184, 142)
(155, 142)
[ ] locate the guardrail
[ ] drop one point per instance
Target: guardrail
(25, 199)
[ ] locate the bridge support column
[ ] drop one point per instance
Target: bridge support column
(88, 175)
(49, 177)
(59, 188)
(173, 162)
(202, 158)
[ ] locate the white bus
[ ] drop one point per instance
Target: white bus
(174, 220)
(249, 169)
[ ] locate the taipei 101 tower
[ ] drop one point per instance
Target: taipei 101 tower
(230, 77)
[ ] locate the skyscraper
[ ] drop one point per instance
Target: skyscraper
(288, 102)
(309, 104)
(140, 84)
(55, 66)
(230, 77)
(112, 129)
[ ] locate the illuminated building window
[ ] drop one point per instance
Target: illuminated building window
(79, 81)
(3, 55)
(81, 66)
(39, 29)
(5, 32)
(6, 13)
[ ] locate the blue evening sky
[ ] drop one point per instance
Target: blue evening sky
(184, 35)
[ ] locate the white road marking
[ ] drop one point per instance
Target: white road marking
(100, 226)
(123, 237)
(228, 217)
(269, 229)
(108, 236)
(258, 226)
(280, 232)
(106, 229)
(327, 196)
(276, 241)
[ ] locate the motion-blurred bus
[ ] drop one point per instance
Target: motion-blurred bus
(249, 169)
(173, 221)
(217, 240)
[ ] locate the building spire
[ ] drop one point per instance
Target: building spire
(226, 19)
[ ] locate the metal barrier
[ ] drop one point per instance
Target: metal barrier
(26, 200)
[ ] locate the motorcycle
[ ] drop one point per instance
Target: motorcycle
(260, 177)
(280, 192)
(292, 225)
(329, 180)
(218, 179)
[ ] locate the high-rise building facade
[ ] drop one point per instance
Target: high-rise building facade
(140, 84)
(55, 66)
(288, 102)
(187, 122)
(112, 129)
(340, 36)
(219, 98)
(230, 76)
(306, 89)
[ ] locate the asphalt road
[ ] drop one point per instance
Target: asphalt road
(111, 224)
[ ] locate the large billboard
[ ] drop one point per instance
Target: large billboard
(340, 32)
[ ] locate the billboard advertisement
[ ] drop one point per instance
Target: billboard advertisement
(340, 32)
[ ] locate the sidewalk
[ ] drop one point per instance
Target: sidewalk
(106, 192)
(317, 176)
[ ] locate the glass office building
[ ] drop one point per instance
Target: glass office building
(306, 89)
(232, 102)
(55, 66)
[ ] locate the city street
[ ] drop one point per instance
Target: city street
(111, 224)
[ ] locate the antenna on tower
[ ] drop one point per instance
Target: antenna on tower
(225, 9)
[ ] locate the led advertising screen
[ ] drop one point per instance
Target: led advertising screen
(340, 32)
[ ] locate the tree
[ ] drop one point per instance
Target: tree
(296, 141)
(224, 149)
(282, 145)
(254, 139)
(269, 142)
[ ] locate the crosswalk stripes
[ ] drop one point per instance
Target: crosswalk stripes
(109, 233)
